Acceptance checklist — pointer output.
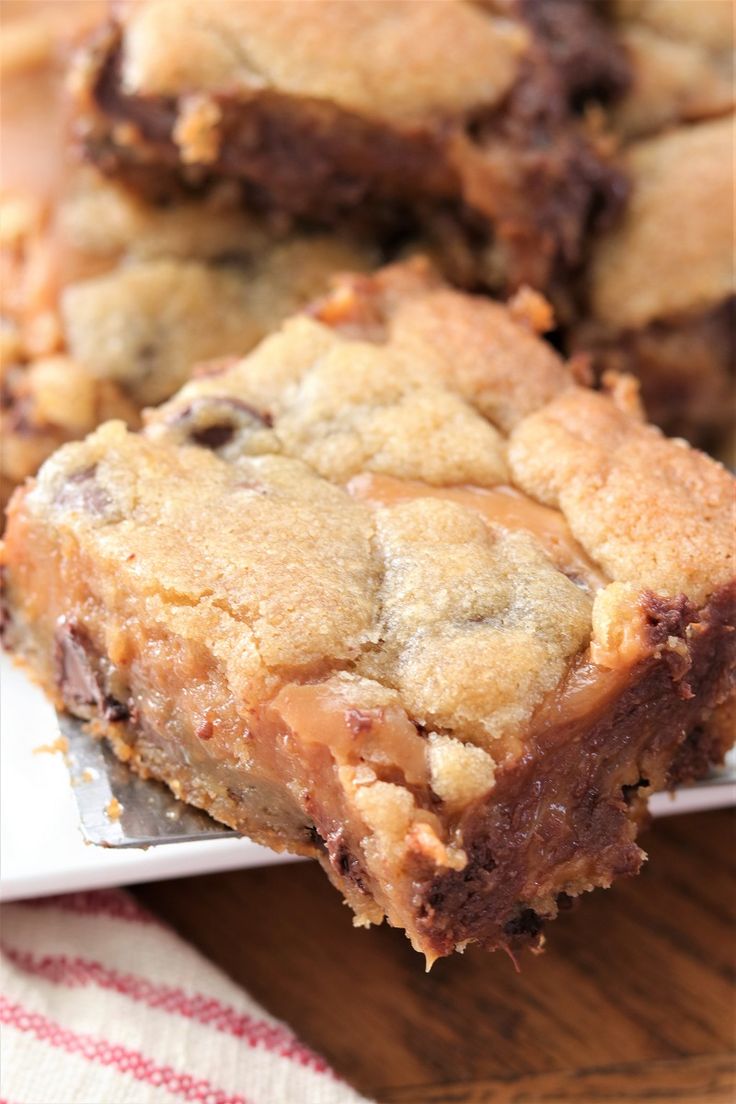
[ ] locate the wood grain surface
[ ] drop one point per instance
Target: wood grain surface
(633, 999)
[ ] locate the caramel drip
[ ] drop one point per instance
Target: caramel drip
(503, 506)
(584, 693)
(381, 737)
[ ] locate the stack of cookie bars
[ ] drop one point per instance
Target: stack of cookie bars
(375, 556)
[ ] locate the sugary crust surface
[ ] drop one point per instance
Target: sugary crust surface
(628, 494)
(307, 546)
(388, 60)
(671, 253)
(365, 393)
(410, 308)
(380, 406)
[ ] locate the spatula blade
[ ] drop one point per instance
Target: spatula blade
(119, 809)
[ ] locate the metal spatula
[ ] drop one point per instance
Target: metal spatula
(119, 809)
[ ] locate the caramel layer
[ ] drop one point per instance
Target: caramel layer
(381, 737)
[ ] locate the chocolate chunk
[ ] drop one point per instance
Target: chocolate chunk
(667, 618)
(79, 682)
(581, 42)
(315, 838)
(75, 673)
(343, 861)
(696, 755)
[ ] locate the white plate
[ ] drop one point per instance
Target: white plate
(42, 850)
(41, 847)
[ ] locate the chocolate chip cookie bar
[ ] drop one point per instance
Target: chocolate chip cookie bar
(453, 119)
(120, 318)
(681, 59)
(657, 298)
(660, 290)
(398, 591)
(107, 301)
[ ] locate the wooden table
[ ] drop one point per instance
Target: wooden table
(632, 1001)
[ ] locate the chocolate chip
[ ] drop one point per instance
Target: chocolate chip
(114, 710)
(214, 436)
(215, 421)
(315, 838)
(343, 861)
(5, 615)
(83, 491)
(527, 923)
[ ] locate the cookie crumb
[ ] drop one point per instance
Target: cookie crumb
(113, 809)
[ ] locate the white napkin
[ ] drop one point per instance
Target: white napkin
(101, 1003)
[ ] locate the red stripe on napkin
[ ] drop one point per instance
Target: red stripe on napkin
(101, 1052)
(75, 972)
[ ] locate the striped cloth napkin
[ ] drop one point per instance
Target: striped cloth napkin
(101, 1003)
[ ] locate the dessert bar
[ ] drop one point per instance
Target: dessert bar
(657, 298)
(660, 288)
(116, 321)
(108, 301)
(452, 119)
(680, 63)
(398, 591)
